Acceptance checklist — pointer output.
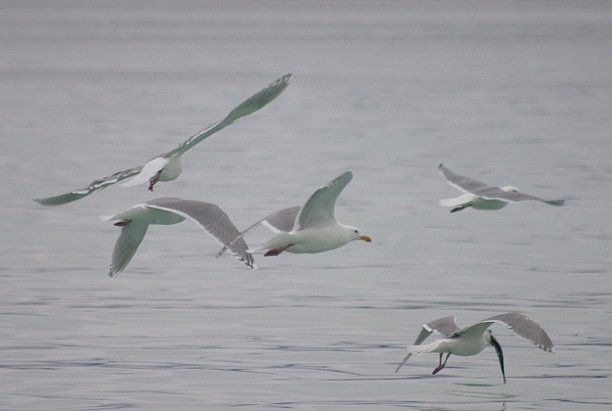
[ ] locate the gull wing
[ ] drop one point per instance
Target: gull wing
(212, 219)
(92, 187)
(281, 221)
(524, 327)
(461, 183)
(477, 329)
(319, 209)
(445, 326)
(126, 245)
(250, 105)
(497, 193)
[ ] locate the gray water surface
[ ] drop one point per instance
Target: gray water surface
(508, 92)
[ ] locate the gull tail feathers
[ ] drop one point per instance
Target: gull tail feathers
(456, 201)
(423, 348)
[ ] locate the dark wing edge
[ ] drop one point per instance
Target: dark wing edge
(526, 328)
(91, 188)
(215, 222)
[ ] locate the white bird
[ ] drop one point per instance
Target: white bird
(472, 340)
(311, 228)
(167, 166)
(166, 211)
(481, 196)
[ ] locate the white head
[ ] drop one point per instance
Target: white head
(355, 234)
(510, 189)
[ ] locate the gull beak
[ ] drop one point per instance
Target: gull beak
(365, 238)
(500, 354)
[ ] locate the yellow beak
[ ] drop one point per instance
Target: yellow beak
(365, 238)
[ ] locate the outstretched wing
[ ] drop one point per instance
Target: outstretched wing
(461, 183)
(281, 221)
(250, 105)
(130, 238)
(445, 326)
(514, 196)
(319, 209)
(526, 328)
(214, 221)
(92, 187)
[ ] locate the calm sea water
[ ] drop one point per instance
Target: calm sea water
(509, 92)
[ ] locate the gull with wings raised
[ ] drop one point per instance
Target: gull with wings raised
(472, 340)
(311, 228)
(167, 166)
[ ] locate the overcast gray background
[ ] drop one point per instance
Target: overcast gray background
(508, 92)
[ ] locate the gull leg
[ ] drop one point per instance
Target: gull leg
(122, 223)
(153, 180)
(276, 251)
(441, 365)
(459, 208)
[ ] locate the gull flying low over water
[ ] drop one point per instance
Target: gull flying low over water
(135, 221)
(167, 166)
(482, 196)
(472, 340)
(311, 228)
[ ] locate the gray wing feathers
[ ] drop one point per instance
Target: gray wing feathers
(214, 221)
(513, 196)
(319, 209)
(526, 328)
(282, 221)
(250, 105)
(445, 326)
(461, 183)
(130, 238)
(258, 100)
(92, 187)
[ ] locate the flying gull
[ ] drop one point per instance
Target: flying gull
(167, 166)
(472, 340)
(135, 221)
(482, 196)
(311, 228)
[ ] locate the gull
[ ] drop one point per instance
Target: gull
(167, 166)
(135, 221)
(482, 196)
(311, 228)
(472, 340)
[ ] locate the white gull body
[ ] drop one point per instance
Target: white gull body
(312, 228)
(167, 166)
(167, 211)
(472, 340)
(481, 196)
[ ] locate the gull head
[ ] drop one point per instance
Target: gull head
(355, 234)
(510, 189)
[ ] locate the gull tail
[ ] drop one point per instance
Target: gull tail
(456, 201)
